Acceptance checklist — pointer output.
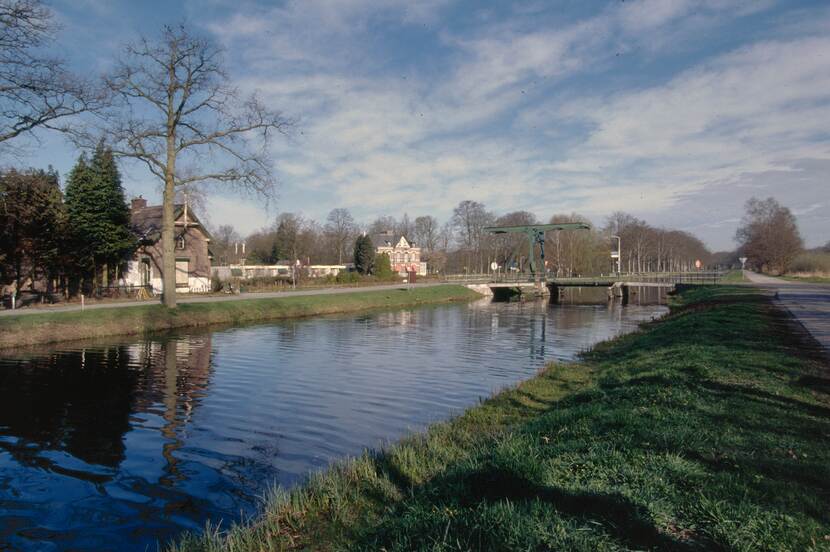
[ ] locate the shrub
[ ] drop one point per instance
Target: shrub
(811, 262)
(346, 277)
(383, 267)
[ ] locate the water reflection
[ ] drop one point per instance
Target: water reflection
(123, 445)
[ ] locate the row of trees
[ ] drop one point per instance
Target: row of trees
(71, 240)
(461, 244)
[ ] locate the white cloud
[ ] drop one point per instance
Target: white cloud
(517, 113)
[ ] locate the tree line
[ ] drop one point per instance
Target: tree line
(461, 244)
(72, 239)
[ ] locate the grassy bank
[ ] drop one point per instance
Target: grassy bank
(808, 279)
(42, 328)
(734, 277)
(706, 430)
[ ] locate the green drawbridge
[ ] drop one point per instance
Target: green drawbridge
(536, 235)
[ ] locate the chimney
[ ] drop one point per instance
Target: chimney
(137, 204)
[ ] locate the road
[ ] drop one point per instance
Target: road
(808, 303)
(209, 299)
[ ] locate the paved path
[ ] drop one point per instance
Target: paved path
(211, 299)
(808, 303)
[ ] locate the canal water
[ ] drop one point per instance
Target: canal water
(121, 445)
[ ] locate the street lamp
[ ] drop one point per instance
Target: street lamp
(618, 255)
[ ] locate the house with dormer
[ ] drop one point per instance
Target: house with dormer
(192, 252)
(403, 254)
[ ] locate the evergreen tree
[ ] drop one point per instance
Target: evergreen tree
(364, 254)
(80, 218)
(118, 241)
(98, 215)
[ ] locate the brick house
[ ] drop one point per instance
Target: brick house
(403, 254)
(191, 249)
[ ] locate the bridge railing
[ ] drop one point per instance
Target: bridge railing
(697, 277)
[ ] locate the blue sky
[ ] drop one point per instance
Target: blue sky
(677, 111)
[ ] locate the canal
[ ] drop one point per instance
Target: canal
(120, 445)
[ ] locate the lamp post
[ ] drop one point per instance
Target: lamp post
(618, 255)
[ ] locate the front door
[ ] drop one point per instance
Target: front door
(144, 271)
(182, 273)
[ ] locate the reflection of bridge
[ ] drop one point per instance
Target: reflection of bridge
(618, 286)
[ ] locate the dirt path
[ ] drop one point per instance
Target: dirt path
(808, 303)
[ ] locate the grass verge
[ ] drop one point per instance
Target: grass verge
(64, 326)
(808, 279)
(706, 430)
(733, 277)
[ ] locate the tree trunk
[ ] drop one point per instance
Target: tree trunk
(168, 271)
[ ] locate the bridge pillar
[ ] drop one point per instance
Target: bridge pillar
(619, 290)
(555, 293)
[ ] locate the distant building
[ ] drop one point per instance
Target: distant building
(403, 254)
(281, 270)
(191, 249)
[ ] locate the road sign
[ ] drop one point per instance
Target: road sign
(698, 264)
(494, 265)
(743, 262)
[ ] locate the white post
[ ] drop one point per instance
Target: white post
(14, 297)
(82, 302)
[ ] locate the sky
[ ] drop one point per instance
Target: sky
(676, 111)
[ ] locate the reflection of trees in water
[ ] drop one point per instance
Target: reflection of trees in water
(81, 401)
(77, 401)
(186, 370)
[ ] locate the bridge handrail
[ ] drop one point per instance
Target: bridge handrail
(695, 277)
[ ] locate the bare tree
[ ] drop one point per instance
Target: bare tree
(769, 235)
(224, 239)
(36, 91)
(340, 228)
(178, 108)
(426, 232)
(405, 227)
(382, 224)
(508, 247)
(469, 219)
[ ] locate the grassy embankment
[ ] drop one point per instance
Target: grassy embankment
(734, 277)
(807, 279)
(707, 430)
(32, 329)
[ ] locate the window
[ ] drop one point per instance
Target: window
(180, 242)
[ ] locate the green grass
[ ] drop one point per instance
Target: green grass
(808, 279)
(706, 430)
(32, 329)
(733, 276)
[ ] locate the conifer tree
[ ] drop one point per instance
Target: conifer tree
(117, 241)
(80, 218)
(364, 254)
(98, 215)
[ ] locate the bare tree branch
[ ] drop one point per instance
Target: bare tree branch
(36, 90)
